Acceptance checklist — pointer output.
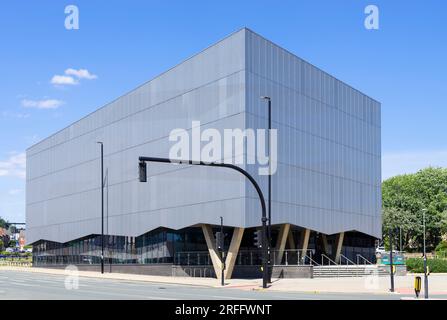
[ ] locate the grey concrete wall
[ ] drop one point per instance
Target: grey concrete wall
(292, 272)
(168, 270)
(153, 269)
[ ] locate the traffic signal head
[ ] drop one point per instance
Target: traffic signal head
(219, 240)
(258, 238)
(142, 171)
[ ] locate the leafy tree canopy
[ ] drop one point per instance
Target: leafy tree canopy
(3, 223)
(405, 196)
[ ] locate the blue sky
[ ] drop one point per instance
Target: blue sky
(125, 43)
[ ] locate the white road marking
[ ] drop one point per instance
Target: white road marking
(232, 298)
(24, 284)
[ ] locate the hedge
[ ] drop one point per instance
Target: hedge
(442, 247)
(416, 265)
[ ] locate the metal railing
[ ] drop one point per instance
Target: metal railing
(363, 260)
(27, 264)
(329, 260)
(346, 260)
(197, 272)
(192, 258)
(311, 261)
(291, 257)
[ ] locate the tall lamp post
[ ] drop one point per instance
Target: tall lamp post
(102, 206)
(391, 261)
(269, 100)
(221, 247)
(425, 259)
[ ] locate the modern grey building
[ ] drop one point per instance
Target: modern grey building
(326, 192)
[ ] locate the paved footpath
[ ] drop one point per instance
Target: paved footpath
(45, 281)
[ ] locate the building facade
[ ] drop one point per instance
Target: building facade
(326, 191)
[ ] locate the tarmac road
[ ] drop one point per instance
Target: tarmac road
(26, 285)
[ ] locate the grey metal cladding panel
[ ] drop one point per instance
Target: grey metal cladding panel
(124, 190)
(212, 102)
(72, 194)
(77, 159)
(63, 171)
(328, 176)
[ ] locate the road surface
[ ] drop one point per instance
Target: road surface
(27, 285)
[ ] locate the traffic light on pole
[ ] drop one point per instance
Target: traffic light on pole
(258, 238)
(219, 240)
(142, 171)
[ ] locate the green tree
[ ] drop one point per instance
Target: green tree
(408, 195)
(3, 223)
(400, 222)
(12, 243)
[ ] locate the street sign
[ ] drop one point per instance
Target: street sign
(398, 259)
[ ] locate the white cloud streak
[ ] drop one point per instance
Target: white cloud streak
(81, 74)
(42, 104)
(14, 192)
(18, 115)
(72, 77)
(63, 80)
(14, 166)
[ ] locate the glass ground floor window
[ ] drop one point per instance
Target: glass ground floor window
(188, 247)
(157, 246)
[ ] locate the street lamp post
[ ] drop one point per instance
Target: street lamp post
(391, 261)
(102, 206)
(269, 100)
(425, 259)
(222, 276)
(143, 178)
(400, 239)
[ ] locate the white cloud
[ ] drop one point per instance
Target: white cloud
(42, 104)
(14, 166)
(63, 80)
(72, 77)
(14, 192)
(81, 74)
(410, 162)
(18, 115)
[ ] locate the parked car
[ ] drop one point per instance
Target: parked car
(9, 250)
(87, 260)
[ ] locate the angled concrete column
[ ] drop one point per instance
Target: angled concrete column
(338, 246)
(212, 249)
(281, 242)
(290, 240)
(304, 242)
(325, 244)
(235, 243)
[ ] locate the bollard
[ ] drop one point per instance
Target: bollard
(417, 286)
